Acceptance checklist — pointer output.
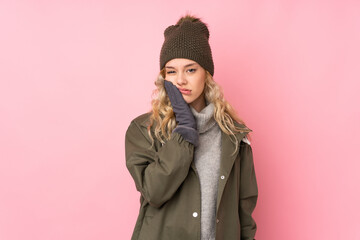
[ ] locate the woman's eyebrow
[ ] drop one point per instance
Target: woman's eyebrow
(188, 65)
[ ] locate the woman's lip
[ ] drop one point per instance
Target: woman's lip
(185, 91)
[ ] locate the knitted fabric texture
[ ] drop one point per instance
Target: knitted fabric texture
(188, 40)
(207, 162)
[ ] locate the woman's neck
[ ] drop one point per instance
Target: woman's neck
(199, 103)
(205, 118)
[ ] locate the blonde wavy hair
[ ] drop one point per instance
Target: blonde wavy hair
(162, 113)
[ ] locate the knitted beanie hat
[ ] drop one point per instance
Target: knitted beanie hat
(188, 38)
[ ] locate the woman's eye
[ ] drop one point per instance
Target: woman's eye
(192, 69)
(169, 72)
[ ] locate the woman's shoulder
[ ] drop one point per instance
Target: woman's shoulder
(138, 125)
(244, 135)
(142, 119)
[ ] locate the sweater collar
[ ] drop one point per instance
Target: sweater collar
(205, 118)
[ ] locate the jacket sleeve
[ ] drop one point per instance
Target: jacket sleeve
(248, 193)
(157, 174)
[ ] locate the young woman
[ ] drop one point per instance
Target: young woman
(190, 156)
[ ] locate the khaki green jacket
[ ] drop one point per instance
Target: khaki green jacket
(167, 179)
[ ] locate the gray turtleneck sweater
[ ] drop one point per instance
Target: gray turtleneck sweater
(207, 162)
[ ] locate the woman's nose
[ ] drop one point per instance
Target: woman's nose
(181, 79)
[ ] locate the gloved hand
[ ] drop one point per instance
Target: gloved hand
(184, 117)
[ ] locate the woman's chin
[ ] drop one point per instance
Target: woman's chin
(187, 99)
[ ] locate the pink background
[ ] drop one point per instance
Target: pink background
(74, 73)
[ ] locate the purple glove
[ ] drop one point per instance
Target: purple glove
(184, 117)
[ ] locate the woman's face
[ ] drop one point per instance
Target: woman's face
(189, 77)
